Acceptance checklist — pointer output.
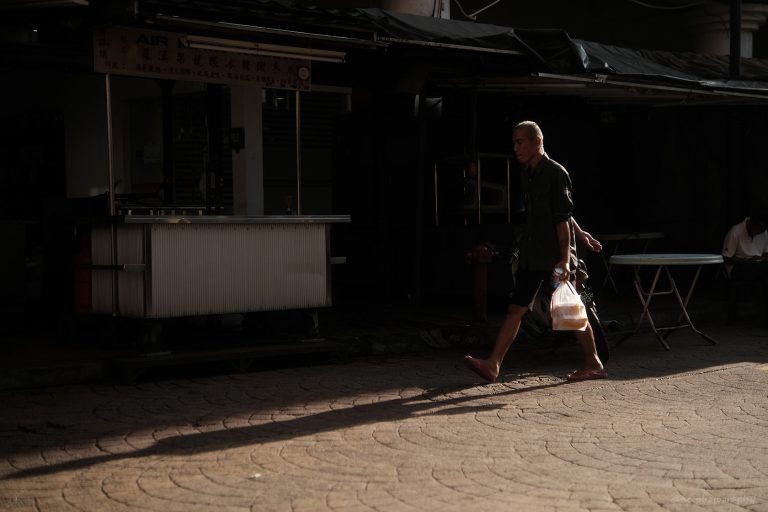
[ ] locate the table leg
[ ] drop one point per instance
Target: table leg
(684, 304)
(690, 291)
(645, 300)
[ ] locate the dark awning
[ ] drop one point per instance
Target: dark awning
(461, 52)
(686, 67)
(563, 65)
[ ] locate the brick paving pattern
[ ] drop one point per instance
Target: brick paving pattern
(680, 430)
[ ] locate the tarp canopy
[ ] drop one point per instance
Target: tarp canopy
(707, 70)
(521, 59)
(554, 52)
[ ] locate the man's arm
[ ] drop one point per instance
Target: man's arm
(585, 238)
(563, 230)
(562, 213)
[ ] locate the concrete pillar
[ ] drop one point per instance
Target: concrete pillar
(711, 27)
(248, 163)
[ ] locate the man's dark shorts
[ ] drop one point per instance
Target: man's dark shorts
(527, 282)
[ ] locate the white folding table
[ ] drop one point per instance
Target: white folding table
(619, 238)
(662, 262)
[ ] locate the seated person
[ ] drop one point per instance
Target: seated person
(745, 247)
(745, 251)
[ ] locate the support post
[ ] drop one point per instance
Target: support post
(735, 55)
(298, 153)
(111, 192)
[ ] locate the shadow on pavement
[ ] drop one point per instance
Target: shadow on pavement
(430, 402)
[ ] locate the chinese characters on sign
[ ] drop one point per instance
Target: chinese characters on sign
(154, 54)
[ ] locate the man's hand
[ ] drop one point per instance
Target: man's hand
(566, 268)
(589, 241)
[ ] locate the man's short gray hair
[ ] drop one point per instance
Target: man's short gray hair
(531, 129)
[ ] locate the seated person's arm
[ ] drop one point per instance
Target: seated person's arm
(741, 260)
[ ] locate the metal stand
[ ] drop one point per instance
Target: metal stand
(647, 296)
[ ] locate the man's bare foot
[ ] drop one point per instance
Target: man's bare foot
(587, 374)
(481, 368)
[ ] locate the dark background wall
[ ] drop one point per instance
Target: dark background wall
(686, 170)
(690, 172)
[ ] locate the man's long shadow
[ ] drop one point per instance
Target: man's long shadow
(337, 419)
(640, 360)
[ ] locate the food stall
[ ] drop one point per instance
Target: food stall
(170, 262)
(173, 266)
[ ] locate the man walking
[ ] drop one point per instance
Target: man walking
(546, 245)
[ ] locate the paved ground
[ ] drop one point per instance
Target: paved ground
(679, 430)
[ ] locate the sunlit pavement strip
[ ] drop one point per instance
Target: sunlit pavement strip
(678, 430)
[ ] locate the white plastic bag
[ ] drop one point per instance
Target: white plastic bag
(567, 311)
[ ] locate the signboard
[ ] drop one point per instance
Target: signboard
(155, 54)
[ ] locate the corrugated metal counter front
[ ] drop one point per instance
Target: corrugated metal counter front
(206, 265)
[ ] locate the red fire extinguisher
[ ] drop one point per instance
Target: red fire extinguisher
(479, 257)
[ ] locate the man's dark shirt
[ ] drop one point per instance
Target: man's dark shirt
(547, 195)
